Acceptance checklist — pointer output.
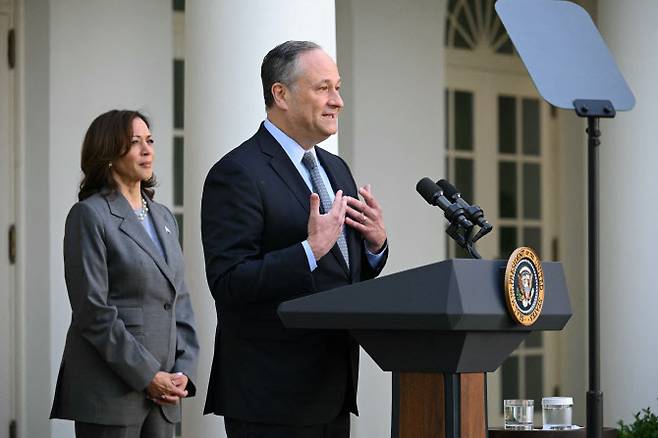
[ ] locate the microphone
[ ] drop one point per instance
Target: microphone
(473, 212)
(433, 194)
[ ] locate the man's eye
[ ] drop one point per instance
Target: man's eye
(150, 141)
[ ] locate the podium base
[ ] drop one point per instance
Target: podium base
(439, 405)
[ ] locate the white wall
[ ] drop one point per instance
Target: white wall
(629, 352)
(81, 59)
(35, 375)
(225, 43)
(390, 55)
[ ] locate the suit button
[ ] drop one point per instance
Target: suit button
(167, 306)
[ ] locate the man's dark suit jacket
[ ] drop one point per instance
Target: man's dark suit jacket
(254, 216)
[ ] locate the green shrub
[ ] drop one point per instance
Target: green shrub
(643, 427)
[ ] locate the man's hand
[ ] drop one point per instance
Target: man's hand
(366, 218)
(166, 388)
(324, 229)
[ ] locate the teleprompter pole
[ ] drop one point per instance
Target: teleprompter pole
(593, 110)
(594, 394)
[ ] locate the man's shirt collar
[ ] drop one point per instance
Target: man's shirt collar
(290, 146)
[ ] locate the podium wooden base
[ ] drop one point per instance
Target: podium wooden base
(436, 405)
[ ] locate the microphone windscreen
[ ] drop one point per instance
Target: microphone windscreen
(448, 189)
(427, 189)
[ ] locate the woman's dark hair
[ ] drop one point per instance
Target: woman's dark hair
(107, 139)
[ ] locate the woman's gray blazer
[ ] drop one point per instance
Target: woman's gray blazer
(132, 315)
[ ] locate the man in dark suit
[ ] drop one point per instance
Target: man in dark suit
(273, 214)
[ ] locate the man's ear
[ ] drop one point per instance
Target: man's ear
(280, 93)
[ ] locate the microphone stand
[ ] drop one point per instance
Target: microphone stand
(472, 251)
(464, 238)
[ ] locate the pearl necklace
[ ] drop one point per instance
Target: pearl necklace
(141, 214)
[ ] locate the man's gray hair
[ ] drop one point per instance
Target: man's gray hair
(280, 65)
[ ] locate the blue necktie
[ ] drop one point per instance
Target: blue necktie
(325, 201)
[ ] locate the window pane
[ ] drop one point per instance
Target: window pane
(460, 41)
(463, 120)
(464, 178)
(179, 5)
(510, 378)
(472, 4)
(179, 96)
(507, 189)
(483, 8)
(507, 47)
(449, 29)
(451, 6)
(531, 191)
(506, 124)
(178, 171)
(530, 126)
(532, 238)
(534, 340)
(179, 219)
(507, 241)
(534, 378)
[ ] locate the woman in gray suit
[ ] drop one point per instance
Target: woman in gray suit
(131, 349)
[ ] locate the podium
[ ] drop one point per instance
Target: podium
(438, 328)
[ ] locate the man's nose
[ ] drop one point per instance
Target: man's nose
(336, 100)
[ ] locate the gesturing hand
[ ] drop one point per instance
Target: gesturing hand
(366, 218)
(166, 388)
(324, 229)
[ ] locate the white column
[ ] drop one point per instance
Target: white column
(225, 45)
(67, 81)
(629, 273)
(390, 54)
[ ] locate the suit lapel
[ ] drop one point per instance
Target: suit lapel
(131, 226)
(286, 170)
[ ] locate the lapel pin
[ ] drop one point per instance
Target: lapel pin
(167, 230)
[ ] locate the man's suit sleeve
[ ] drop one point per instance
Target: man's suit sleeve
(85, 266)
(369, 272)
(232, 222)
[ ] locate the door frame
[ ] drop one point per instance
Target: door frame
(9, 198)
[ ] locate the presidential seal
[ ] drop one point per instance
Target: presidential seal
(524, 286)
